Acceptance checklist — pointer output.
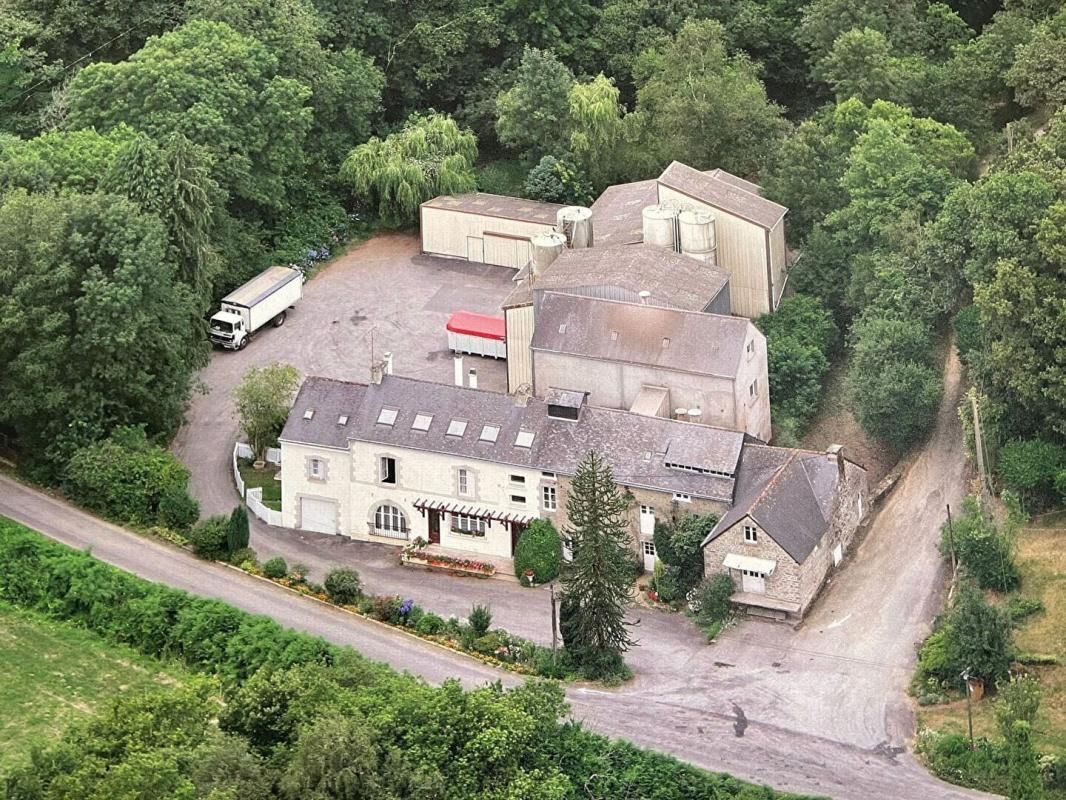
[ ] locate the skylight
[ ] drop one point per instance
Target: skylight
(524, 439)
(422, 422)
(387, 416)
(309, 413)
(457, 427)
(489, 433)
(342, 419)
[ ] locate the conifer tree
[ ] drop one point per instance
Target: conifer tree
(596, 586)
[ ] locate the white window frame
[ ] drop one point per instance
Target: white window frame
(753, 389)
(383, 471)
(517, 480)
(316, 469)
(466, 525)
(751, 573)
(518, 499)
(751, 534)
(389, 520)
(462, 482)
(682, 497)
(648, 547)
(549, 498)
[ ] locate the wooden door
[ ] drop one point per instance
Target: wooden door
(434, 527)
(517, 528)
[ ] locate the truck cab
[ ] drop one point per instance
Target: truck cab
(228, 329)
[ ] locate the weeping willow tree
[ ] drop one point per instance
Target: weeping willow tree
(431, 155)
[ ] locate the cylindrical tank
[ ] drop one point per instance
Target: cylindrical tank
(546, 248)
(696, 235)
(575, 222)
(660, 226)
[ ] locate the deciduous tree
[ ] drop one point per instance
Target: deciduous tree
(263, 401)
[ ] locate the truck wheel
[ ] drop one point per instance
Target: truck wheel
(243, 344)
(279, 320)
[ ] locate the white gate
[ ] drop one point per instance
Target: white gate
(649, 556)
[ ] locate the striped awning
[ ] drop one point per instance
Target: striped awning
(763, 566)
(452, 507)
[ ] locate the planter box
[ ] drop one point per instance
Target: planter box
(480, 569)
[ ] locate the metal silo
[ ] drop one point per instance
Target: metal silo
(696, 235)
(575, 222)
(660, 226)
(546, 248)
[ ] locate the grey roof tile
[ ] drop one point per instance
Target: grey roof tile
(686, 341)
(727, 195)
(616, 214)
(497, 205)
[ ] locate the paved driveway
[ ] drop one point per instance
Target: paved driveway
(819, 708)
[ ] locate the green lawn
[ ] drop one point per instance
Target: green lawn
(52, 674)
(263, 478)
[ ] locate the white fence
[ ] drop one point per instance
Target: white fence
(254, 499)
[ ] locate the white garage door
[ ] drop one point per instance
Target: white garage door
(318, 515)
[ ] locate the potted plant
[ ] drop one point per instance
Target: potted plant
(529, 577)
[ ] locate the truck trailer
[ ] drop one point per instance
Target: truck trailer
(266, 298)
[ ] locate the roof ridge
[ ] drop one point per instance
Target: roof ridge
(308, 378)
(814, 493)
(410, 379)
(581, 297)
(770, 483)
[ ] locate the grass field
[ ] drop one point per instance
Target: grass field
(263, 478)
(1042, 559)
(52, 673)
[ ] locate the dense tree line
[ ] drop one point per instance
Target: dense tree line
(279, 714)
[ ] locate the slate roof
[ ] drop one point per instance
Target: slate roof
(616, 214)
(674, 280)
(634, 446)
(789, 493)
(726, 194)
(684, 341)
(497, 205)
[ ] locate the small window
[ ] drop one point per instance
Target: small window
(520, 499)
(524, 439)
(316, 469)
(489, 433)
(387, 470)
(548, 476)
(647, 510)
(751, 534)
(549, 499)
(562, 328)
(649, 548)
(462, 477)
(614, 336)
(682, 497)
(751, 346)
(753, 390)
(342, 419)
(422, 422)
(457, 427)
(309, 413)
(751, 573)
(666, 342)
(387, 416)
(519, 479)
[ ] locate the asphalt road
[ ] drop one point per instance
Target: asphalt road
(754, 717)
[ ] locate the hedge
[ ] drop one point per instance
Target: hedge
(254, 656)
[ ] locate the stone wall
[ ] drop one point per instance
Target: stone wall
(783, 584)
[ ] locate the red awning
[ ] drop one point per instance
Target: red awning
(479, 325)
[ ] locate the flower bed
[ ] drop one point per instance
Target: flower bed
(467, 566)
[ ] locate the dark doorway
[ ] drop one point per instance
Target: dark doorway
(517, 528)
(434, 527)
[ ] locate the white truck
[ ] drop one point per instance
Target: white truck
(264, 299)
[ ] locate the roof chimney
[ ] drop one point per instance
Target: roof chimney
(388, 363)
(457, 361)
(377, 371)
(472, 379)
(835, 452)
(522, 395)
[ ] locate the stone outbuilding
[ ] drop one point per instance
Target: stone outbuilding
(794, 515)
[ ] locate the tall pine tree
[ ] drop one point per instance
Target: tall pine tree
(596, 586)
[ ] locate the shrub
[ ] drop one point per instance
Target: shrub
(480, 619)
(555, 180)
(967, 325)
(985, 552)
(242, 556)
(343, 585)
(1019, 608)
(429, 625)
(127, 478)
(713, 600)
(949, 757)
(298, 572)
(238, 534)
(386, 609)
(933, 658)
(979, 638)
(1031, 467)
(209, 537)
(177, 510)
(1018, 701)
(275, 568)
(540, 548)
(679, 544)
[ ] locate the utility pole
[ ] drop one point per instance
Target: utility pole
(978, 442)
(969, 706)
(555, 626)
(951, 544)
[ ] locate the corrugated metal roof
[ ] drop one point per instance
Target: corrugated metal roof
(616, 214)
(262, 285)
(684, 341)
(497, 205)
(789, 493)
(727, 195)
(673, 280)
(633, 445)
